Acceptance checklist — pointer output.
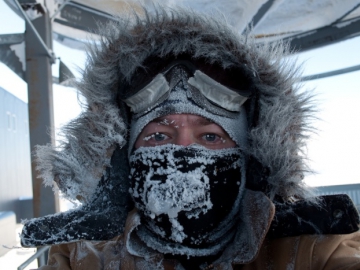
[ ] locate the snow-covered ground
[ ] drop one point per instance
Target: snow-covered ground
(17, 255)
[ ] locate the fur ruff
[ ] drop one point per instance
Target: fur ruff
(277, 140)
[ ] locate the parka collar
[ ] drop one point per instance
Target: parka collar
(256, 216)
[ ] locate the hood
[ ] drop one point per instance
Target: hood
(278, 113)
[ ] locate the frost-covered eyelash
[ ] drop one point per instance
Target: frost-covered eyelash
(147, 138)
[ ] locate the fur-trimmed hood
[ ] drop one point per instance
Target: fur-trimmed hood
(278, 113)
(91, 164)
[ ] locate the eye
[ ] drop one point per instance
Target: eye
(158, 137)
(211, 137)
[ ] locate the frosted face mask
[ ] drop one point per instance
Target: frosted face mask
(189, 195)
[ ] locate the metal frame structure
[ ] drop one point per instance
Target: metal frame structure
(40, 102)
(261, 13)
(8, 56)
(38, 74)
(338, 31)
(41, 255)
(34, 30)
(331, 73)
(85, 18)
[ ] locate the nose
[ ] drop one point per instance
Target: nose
(184, 137)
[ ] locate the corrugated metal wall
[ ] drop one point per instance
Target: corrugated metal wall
(15, 169)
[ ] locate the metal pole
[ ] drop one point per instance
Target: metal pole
(331, 73)
(29, 25)
(42, 252)
(40, 96)
(59, 10)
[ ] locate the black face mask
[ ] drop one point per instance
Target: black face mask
(189, 195)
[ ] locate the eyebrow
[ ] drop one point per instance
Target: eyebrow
(203, 122)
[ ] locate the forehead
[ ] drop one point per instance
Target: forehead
(183, 119)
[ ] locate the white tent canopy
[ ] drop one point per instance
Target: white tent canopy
(309, 24)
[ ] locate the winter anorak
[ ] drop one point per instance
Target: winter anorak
(282, 226)
(312, 252)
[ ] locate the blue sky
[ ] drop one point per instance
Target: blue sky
(334, 153)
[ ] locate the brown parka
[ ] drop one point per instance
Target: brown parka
(311, 252)
(298, 253)
(127, 252)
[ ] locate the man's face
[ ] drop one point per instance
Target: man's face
(184, 129)
(179, 190)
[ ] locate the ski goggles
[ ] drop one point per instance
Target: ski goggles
(224, 88)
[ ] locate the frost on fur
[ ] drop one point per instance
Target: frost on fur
(276, 139)
(78, 164)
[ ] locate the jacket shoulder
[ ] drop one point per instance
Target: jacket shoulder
(83, 255)
(340, 251)
(313, 252)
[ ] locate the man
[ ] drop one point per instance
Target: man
(189, 157)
